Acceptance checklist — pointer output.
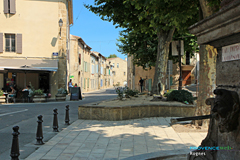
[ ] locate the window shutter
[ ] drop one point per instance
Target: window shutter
(12, 6)
(1, 42)
(5, 6)
(19, 43)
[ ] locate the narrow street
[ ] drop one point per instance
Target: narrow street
(25, 116)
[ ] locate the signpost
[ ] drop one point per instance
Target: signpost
(55, 53)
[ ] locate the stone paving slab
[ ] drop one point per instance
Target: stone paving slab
(129, 139)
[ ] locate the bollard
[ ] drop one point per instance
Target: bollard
(67, 115)
(39, 134)
(55, 121)
(15, 144)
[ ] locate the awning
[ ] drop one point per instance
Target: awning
(28, 64)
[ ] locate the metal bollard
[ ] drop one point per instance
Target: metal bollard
(15, 144)
(55, 121)
(67, 115)
(39, 134)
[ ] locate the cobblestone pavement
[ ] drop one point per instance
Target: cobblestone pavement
(113, 140)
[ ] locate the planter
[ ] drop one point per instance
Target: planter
(2, 99)
(60, 97)
(39, 98)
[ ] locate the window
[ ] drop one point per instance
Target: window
(9, 6)
(10, 42)
(124, 73)
(118, 65)
(113, 65)
(97, 68)
(113, 72)
(79, 59)
(92, 69)
(101, 70)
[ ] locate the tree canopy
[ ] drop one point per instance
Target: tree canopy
(112, 56)
(157, 18)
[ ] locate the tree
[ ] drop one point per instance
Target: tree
(112, 56)
(160, 17)
(207, 71)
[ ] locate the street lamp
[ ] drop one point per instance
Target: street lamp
(60, 22)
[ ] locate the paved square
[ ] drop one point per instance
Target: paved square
(96, 140)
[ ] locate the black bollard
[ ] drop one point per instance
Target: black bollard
(39, 134)
(55, 121)
(15, 144)
(67, 115)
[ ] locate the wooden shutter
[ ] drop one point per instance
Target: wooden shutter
(6, 6)
(1, 42)
(19, 43)
(12, 6)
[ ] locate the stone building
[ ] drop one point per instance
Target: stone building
(79, 63)
(119, 70)
(190, 70)
(94, 72)
(34, 49)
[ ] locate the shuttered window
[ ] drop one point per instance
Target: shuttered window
(10, 42)
(10, 6)
(1, 42)
(19, 43)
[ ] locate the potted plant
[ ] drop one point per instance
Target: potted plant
(2, 97)
(38, 96)
(61, 94)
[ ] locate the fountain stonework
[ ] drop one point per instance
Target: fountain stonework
(222, 30)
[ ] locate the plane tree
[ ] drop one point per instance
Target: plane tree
(155, 17)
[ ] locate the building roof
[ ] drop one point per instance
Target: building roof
(82, 41)
(115, 58)
(70, 12)
(94, 55)
(99, 54)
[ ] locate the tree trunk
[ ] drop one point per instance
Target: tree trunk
(207, 72)
(164, 39)
(207, 81)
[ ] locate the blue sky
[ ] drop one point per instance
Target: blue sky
(98, 34)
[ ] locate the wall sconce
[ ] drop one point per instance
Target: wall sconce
(60, 22)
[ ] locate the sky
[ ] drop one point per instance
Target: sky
(98, 34)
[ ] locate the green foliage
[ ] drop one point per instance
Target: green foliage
(142, 46)
(1, 92)
(130, 92)
(62, 91)
(112, 56)
(120, 91)
(38, 92)
(167, 94)
(181, 96)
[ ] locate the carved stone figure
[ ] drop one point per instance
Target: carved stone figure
(226, 108)
(225, 112)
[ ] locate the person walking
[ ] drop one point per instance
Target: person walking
(141, 83)
(70, 84)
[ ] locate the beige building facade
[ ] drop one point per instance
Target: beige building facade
(79, 63)
(190, 70)
(119, 71)
(34, 49)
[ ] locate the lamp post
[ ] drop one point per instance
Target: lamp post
(60, 22)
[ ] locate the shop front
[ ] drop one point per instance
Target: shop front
(23, 72)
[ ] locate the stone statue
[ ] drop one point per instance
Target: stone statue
(225, 112)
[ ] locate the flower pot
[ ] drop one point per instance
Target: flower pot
(39, 98)
(60, 97)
